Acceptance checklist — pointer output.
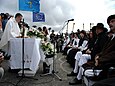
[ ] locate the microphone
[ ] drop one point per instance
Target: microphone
(70, 20)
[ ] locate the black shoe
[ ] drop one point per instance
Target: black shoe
(75, 82)
(72, 74)
(13, 70)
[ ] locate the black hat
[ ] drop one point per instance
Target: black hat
(93, 28)
(101, 26)
(110, 17)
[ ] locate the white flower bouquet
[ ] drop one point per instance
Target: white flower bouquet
(35, 33)
(48, 49)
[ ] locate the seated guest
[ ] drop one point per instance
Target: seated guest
(107, 55)
(80, 54)
(68, 41)
(74, 43)
(81, 44)
(102, 37)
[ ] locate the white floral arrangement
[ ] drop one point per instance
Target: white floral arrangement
(47, 48)
(34, 33)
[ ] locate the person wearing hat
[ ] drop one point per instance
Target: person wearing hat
(101, 39)
(106, 56)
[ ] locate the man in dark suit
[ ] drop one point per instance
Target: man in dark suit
(107, 55)
(102, 38)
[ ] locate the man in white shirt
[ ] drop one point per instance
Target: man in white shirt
(12, 30)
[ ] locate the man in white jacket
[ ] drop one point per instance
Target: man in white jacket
(12, 30)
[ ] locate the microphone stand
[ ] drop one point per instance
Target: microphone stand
(23, 74)
(63, 27)
(53, 71)
(66, 24)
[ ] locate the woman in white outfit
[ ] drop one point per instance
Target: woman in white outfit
(83, 56)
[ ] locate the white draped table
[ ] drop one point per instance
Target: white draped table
(32, 53)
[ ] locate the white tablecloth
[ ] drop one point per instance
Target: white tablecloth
(32, 53)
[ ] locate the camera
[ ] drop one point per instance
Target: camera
(5, 54)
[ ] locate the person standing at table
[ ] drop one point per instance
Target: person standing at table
(12, 30)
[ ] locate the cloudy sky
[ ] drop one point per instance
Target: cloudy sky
(57, 12)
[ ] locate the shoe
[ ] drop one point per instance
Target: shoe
(75, 82)
(13, 70)
(72, 74)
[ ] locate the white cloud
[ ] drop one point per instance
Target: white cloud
(59, 11)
